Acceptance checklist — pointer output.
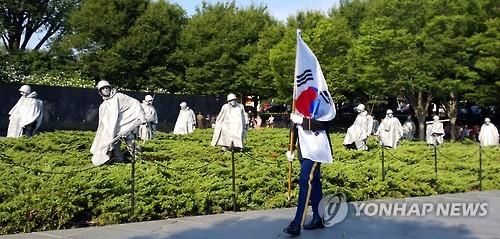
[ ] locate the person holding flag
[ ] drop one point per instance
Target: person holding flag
(312, 111)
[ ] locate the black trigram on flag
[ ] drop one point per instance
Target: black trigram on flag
(304, 77)
(326, 96)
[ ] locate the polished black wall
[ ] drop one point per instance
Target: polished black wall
(67, 108)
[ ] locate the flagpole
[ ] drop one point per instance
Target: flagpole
(292, 137)
(290, 148)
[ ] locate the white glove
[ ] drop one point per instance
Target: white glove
(296, 119)
(290, 155)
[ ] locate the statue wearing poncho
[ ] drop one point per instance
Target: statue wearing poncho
(230, 126)
(390, 131)
(435, 132)
(147, 130)
(26, 116)
(360, 130)
(409, 129)
(119, 116)
(185, 121)
(488, 136)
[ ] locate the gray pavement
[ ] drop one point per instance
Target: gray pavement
(269, 223)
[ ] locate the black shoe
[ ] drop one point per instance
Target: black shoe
(293, 229)
(314, 224)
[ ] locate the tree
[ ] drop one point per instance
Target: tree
(21, 19)
(486, 62)
(129, 42)
(216, 46)
(389, 58)
(354, 12)
(282, 54)
(98, 24)
(444, 38)
(256, 72)
(332, 38)
(484, 48)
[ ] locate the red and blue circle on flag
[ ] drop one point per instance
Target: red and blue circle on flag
(308, 102)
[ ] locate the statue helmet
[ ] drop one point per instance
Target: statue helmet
(183, 105)
(25, 89)
(231, 97)
(148, 98)
(487, 120)
(360, 107)
(102, 84)
(389, 111)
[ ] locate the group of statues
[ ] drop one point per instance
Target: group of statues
(121, 116)
(390, 131)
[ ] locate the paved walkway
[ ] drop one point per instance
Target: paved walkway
(269, 223)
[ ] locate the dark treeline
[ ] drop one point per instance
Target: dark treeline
(418, 50)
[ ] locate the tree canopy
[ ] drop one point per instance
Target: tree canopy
(224, 49)
(21, 19)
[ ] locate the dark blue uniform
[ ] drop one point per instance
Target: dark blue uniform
(309, 183)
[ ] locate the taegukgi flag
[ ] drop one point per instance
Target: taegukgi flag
(311, 96)
(313, 101)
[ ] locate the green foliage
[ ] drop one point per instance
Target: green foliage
(217, 45)
(42, 67)
(99, 24)
(487, 63)
(128, 42)
(21, 19)
(332, 41)
(181, 175)
(387, 57)
(257, 75)
(281, 58)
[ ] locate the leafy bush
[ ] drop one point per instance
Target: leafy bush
(48, 181)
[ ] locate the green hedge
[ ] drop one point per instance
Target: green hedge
(182, 175)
